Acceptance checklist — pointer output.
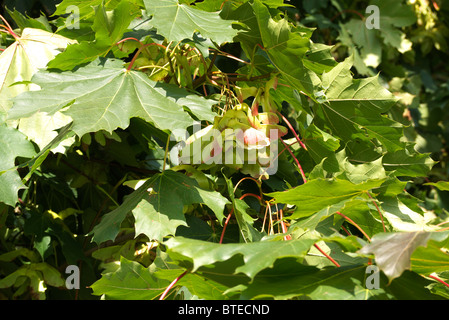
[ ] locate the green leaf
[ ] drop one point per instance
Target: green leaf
(286, 46)
(131, 281)
(402, 218)
(353, 111)
(104, 97)
(405, 163)
(394, 15)
(176, 22)
(432, 258)
(319, 58)
(32, 51)
(165, 269)
(13, 144)
(441, 185)
(367, 41)
(37, 271)
(86, 8)
(244, 220)
(287, 280)
(109, 27)
(319, 144)
(256, 255)
(26, 22)
(41, 129)
(321, 194)
(157, 207)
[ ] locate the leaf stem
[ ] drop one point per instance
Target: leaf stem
(439, 280)
(297, 162)
(171, 285)
(130, 38)
(250, 178)
(355, 224)
(9, 29)
(378, 210)
(232, 210)
(326, 255)
(166, 153)
(130, 66)
(292, 130)
(225, 225)
(283, 226)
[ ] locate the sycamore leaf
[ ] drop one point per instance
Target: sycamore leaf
(197, 284)
(322, 194)
(157, 206)
(86, 8)
(109, 27)
(392, 251)
(32, 51)
(41, 127)
(288, 280)
(353, 109)
(430, 259)
(367, 41)
(176, 22)
(406, 163)
(13, 144)
(256, 255)
(402, 218)
(105, 97)
(441, 185)
(319, 58)
(395, 15)
(131, 281)
(286, 47)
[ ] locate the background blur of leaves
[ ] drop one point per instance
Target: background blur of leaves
(410, 51)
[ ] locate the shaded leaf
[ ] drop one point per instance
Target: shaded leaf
(131, 281)
(157, 207)
(109, 27)
(13, 144)
(286, 46)
(256, 255)
(441, 185)
(353, 110)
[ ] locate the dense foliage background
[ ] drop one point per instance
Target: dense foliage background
(88, 184)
